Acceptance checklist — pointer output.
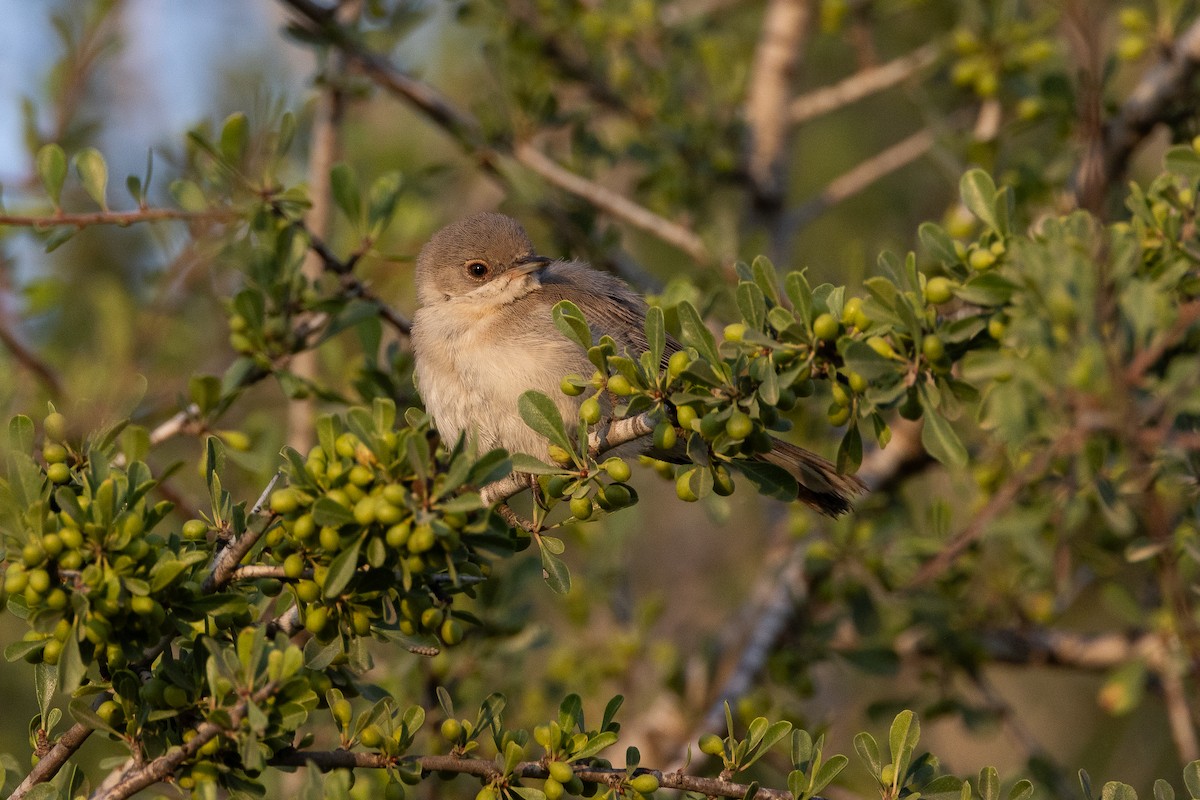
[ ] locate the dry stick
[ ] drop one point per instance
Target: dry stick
(134, 777)
(469, 133)
(487, 770)
(860, 176)
(861, 84)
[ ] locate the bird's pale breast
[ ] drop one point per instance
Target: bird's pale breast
(473, 362)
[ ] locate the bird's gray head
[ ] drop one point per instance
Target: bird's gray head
(478, 251)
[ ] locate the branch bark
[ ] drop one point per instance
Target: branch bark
(49, 765)
(780, 47)
(132, 777)
(861, 84)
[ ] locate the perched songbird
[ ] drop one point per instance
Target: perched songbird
(484, 335)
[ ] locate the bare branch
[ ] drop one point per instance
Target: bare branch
(861, 84)
(49, 764)
(612, 202)
(486, 769)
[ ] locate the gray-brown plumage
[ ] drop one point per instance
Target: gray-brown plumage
(483, 335)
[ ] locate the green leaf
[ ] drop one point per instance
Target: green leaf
(1115, 790)
(939, 438)
(555, 572)
(540, 414)
(234, 135)
(595, 744)
(45, 679)
(1183, 160)
(800, 293)
(1191, 779)
(868, 751)
(1163, 790)
(71, 667)
(850, 450)
(81, 709)
(768, 479)
(766, 278)
(943, 787)
(978, 192)
(989, 783)
(1021, 790)
(344, 186)
(52, 169)
(610, 711)
(770, 737)
(341, 569)
(569, 319)
(656, 334)
(522, 462)
(695, 334)
(491, 466)
(93, 172)
(329, 512)
(752, 305)
(381, 201)
(937, 242)
(988, 289)
(902, 737)
(828, 771)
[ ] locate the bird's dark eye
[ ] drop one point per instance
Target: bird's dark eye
(478, 269)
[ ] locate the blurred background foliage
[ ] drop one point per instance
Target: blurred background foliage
(663, 141)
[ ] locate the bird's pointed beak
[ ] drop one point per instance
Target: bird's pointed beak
(528, 264)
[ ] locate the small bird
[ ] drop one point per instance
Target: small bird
(483, 335)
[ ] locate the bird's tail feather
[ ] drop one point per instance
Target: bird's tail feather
(821, 485)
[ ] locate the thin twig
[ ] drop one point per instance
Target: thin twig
(30, 361)
(613, 202)
(861, 84)
(860, 176)
(119, 218)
